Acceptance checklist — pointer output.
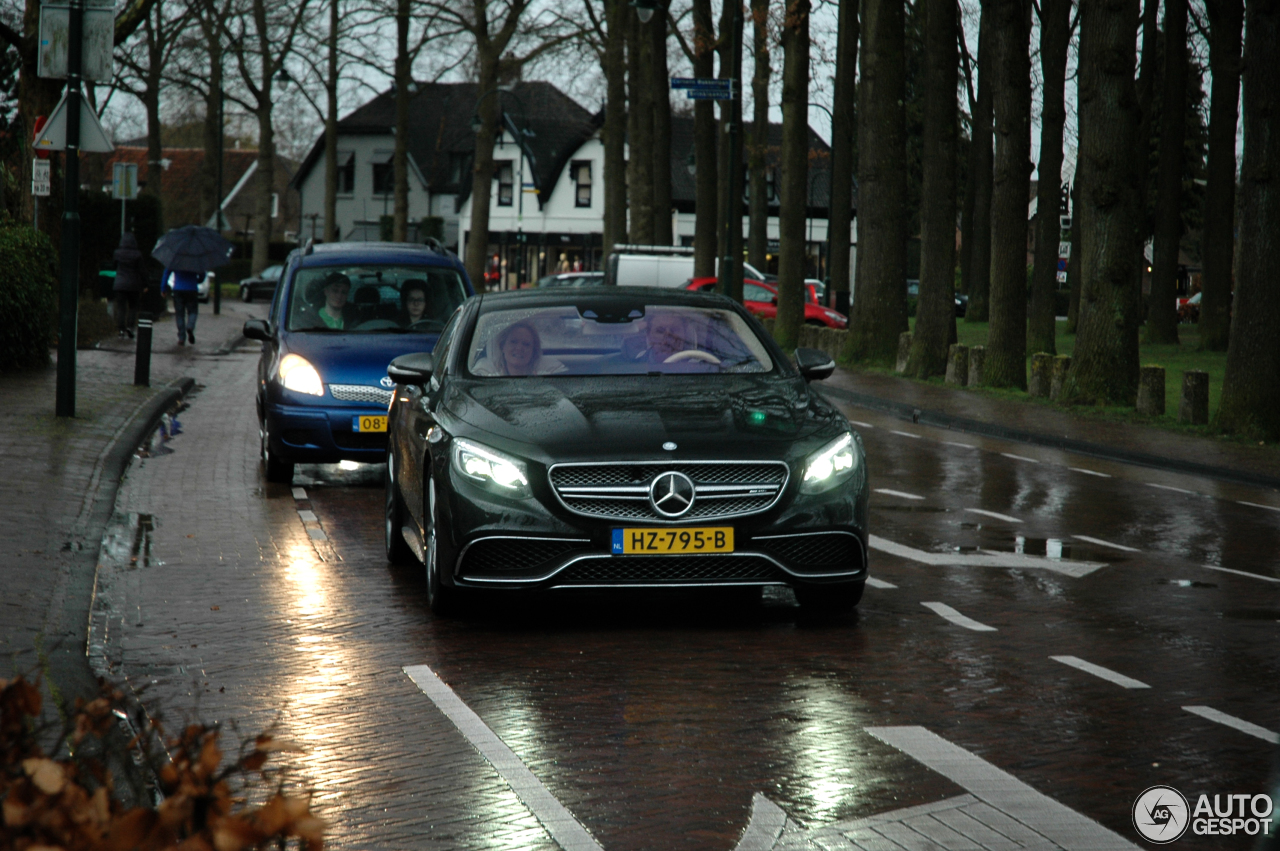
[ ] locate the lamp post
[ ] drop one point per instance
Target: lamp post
(477, 124)
(69, 289)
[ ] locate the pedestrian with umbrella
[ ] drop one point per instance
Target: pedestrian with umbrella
(187, 254)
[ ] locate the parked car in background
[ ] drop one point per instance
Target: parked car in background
(762, 300)
(262, 285)
(662, 266)
(1189, 309)
(571, 279)
(961, 301)
(205, 286)
(336, 323)
(819, 288)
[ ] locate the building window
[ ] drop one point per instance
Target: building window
(384, 178)
(459, 165)
(581, 172)
(503, 173)
(771, 185)
(346, 172)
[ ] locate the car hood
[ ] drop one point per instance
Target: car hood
(354, 358)
(633, 416)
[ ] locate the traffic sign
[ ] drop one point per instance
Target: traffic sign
(41, 182)
(124, 181)
(53, 136)
(704, 88)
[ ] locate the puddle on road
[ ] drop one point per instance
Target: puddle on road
(1253, 614)
(1186, 583)
(921, 509)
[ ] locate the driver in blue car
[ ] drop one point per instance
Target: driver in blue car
(335, 313)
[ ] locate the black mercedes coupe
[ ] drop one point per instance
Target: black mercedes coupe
(621, 438)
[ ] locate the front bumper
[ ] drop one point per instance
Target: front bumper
(323, 435)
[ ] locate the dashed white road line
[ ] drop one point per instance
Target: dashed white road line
(1090, 472)
(559, 822)
(308, 516)
(958, 443)
(1237, 723)
(1005, 517)
(956, 618)
(1020, 457)
(299, 493)
(861, 424)
(1240, 573)
(1168, 488)
(1101, 672)
(1103, 543)
(879, 583)
(902, 494)
(905, 434)
(1259, 505)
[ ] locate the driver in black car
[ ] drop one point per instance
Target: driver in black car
(667, 334)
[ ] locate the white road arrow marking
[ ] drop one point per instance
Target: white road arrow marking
(985, 558)
(945, 611)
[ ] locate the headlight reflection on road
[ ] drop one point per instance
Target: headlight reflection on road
(824, 751)
(314, 680)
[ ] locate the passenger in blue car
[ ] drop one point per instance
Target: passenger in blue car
(413, 302)
(335, 312)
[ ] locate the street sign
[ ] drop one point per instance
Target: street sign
(41, 181)
(709, 94)
(704, 88)
(53, 136)
(98, 42)
(1064, 249)
(1062, 277)
(124, 181)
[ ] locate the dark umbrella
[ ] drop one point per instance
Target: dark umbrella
(192, 249)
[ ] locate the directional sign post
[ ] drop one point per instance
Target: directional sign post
(124, 186)
(704, 88)
(41, 182)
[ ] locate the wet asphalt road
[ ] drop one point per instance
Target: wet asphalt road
(655, 719)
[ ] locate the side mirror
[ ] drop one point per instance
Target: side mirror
(814, 364)
(257, 329)
(412, 369)
(774, 300)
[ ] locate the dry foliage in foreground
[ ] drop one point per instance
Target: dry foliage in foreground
(51, 803)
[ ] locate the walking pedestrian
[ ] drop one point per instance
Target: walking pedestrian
(128, 287)
(186, 303)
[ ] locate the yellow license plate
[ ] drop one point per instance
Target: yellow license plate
(374, 423)
(695, 539)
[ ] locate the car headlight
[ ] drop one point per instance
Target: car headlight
(495, 470)
(298, 375)
(830, 465)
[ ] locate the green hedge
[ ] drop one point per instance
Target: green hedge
(28, 297)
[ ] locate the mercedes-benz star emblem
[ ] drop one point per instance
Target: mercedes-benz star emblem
(671, 494)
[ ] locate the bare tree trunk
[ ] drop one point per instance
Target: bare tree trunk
(981, 163)
(151, 105)
(482, 169)
(758, 150)
(1006, 364)
(732, 183)
(880, 299)
(266, 173)
(840, 213)
(935, 312)
(1251, 389)
(1226, 18)
(1104, 366)
(661, 96)
(704, 146)
(1162, 313)
(615, 126)
(640, 124)
(331, 131)
(400, 158)
(213, 130)
(795, 173)
(1054, 39)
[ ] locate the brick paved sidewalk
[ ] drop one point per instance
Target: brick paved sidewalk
(60, 481)
(1127, 442)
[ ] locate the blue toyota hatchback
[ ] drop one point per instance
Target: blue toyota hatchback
(341, 313)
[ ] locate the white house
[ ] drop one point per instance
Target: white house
(547, 202)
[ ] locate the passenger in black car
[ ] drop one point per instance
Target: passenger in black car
(517, 350)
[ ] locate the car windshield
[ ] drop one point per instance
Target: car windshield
(370, 298)
(614, 337)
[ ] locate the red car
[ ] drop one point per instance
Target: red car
(762, 300)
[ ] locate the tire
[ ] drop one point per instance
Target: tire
(398, 550)
(817, 323)
(441, 599)
(277, 471)
(246, 295)
(829, 599)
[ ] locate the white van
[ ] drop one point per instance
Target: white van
(656, 266)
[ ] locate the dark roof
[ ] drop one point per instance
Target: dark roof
(684, 189)
(440, 130)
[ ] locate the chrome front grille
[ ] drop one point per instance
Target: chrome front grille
(668, 570)
(621, 491)
(361, 393)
